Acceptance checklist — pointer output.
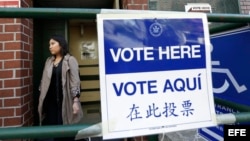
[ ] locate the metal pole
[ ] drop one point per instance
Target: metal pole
(91, 14)
(84, 131)
(63, 13)
(39, 132)
(232, 105)
(225, 27)
(231, 118)
(228, 18)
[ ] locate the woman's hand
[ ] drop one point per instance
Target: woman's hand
(76, 104)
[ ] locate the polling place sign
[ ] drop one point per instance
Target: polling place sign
(155, 73)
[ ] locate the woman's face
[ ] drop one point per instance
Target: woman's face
(54, 47)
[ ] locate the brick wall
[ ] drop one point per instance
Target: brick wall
(135, 4)
(244, 6)
(16, 55)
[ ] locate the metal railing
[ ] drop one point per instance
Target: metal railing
(83, 130)
(70, 13)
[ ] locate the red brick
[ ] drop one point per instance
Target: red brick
(6, 36)
(145, 7)
(30, 72)
(1, 122)
(13, 28)
(31, 25)
(18, 111)
(140, 1)
(22, 73)
(6, 20)
(8, 2)
(18, 20)
(6, 74)
(6, 112)
(1, 28)
(26, 47)
(12, 45)
(129, 1)
(13, 83)
(21, 55)
(24, 4)
(27, 64)
(27, 3)
(22, 91)
(1, 84)
(25, 38)
(27, 98)
(25, 22)
(1, 46)
(13, 121)
(26, 30)
(135, 7)
(6, 55)
(6, 93)
(12, 102)
(30, 56)
(12, 64)
(21, 110)
(28, 117)
(28, 121)
(1, 103)
(26, 81)
(18, 36)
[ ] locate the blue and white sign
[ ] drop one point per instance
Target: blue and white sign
(230, 73)
(230, 61)
(155, 73)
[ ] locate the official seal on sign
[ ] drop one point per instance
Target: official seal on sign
(155, 29)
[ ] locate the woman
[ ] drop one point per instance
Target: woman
(60, 87)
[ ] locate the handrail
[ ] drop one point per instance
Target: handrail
(43, 132)
(61, 13)
(81, 131)
(70, 13)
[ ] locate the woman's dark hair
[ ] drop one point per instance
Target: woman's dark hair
(62, 42)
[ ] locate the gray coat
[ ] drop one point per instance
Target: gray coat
(70, 84)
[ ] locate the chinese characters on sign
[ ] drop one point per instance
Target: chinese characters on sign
(169, 109)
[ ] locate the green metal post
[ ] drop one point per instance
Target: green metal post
(239, 107)
(38, 132)
(84, 131)
(68, 13)
(225, 27)
(62, 13)
(233, 118)
(228, 18)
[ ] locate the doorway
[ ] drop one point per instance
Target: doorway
(71, 29)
